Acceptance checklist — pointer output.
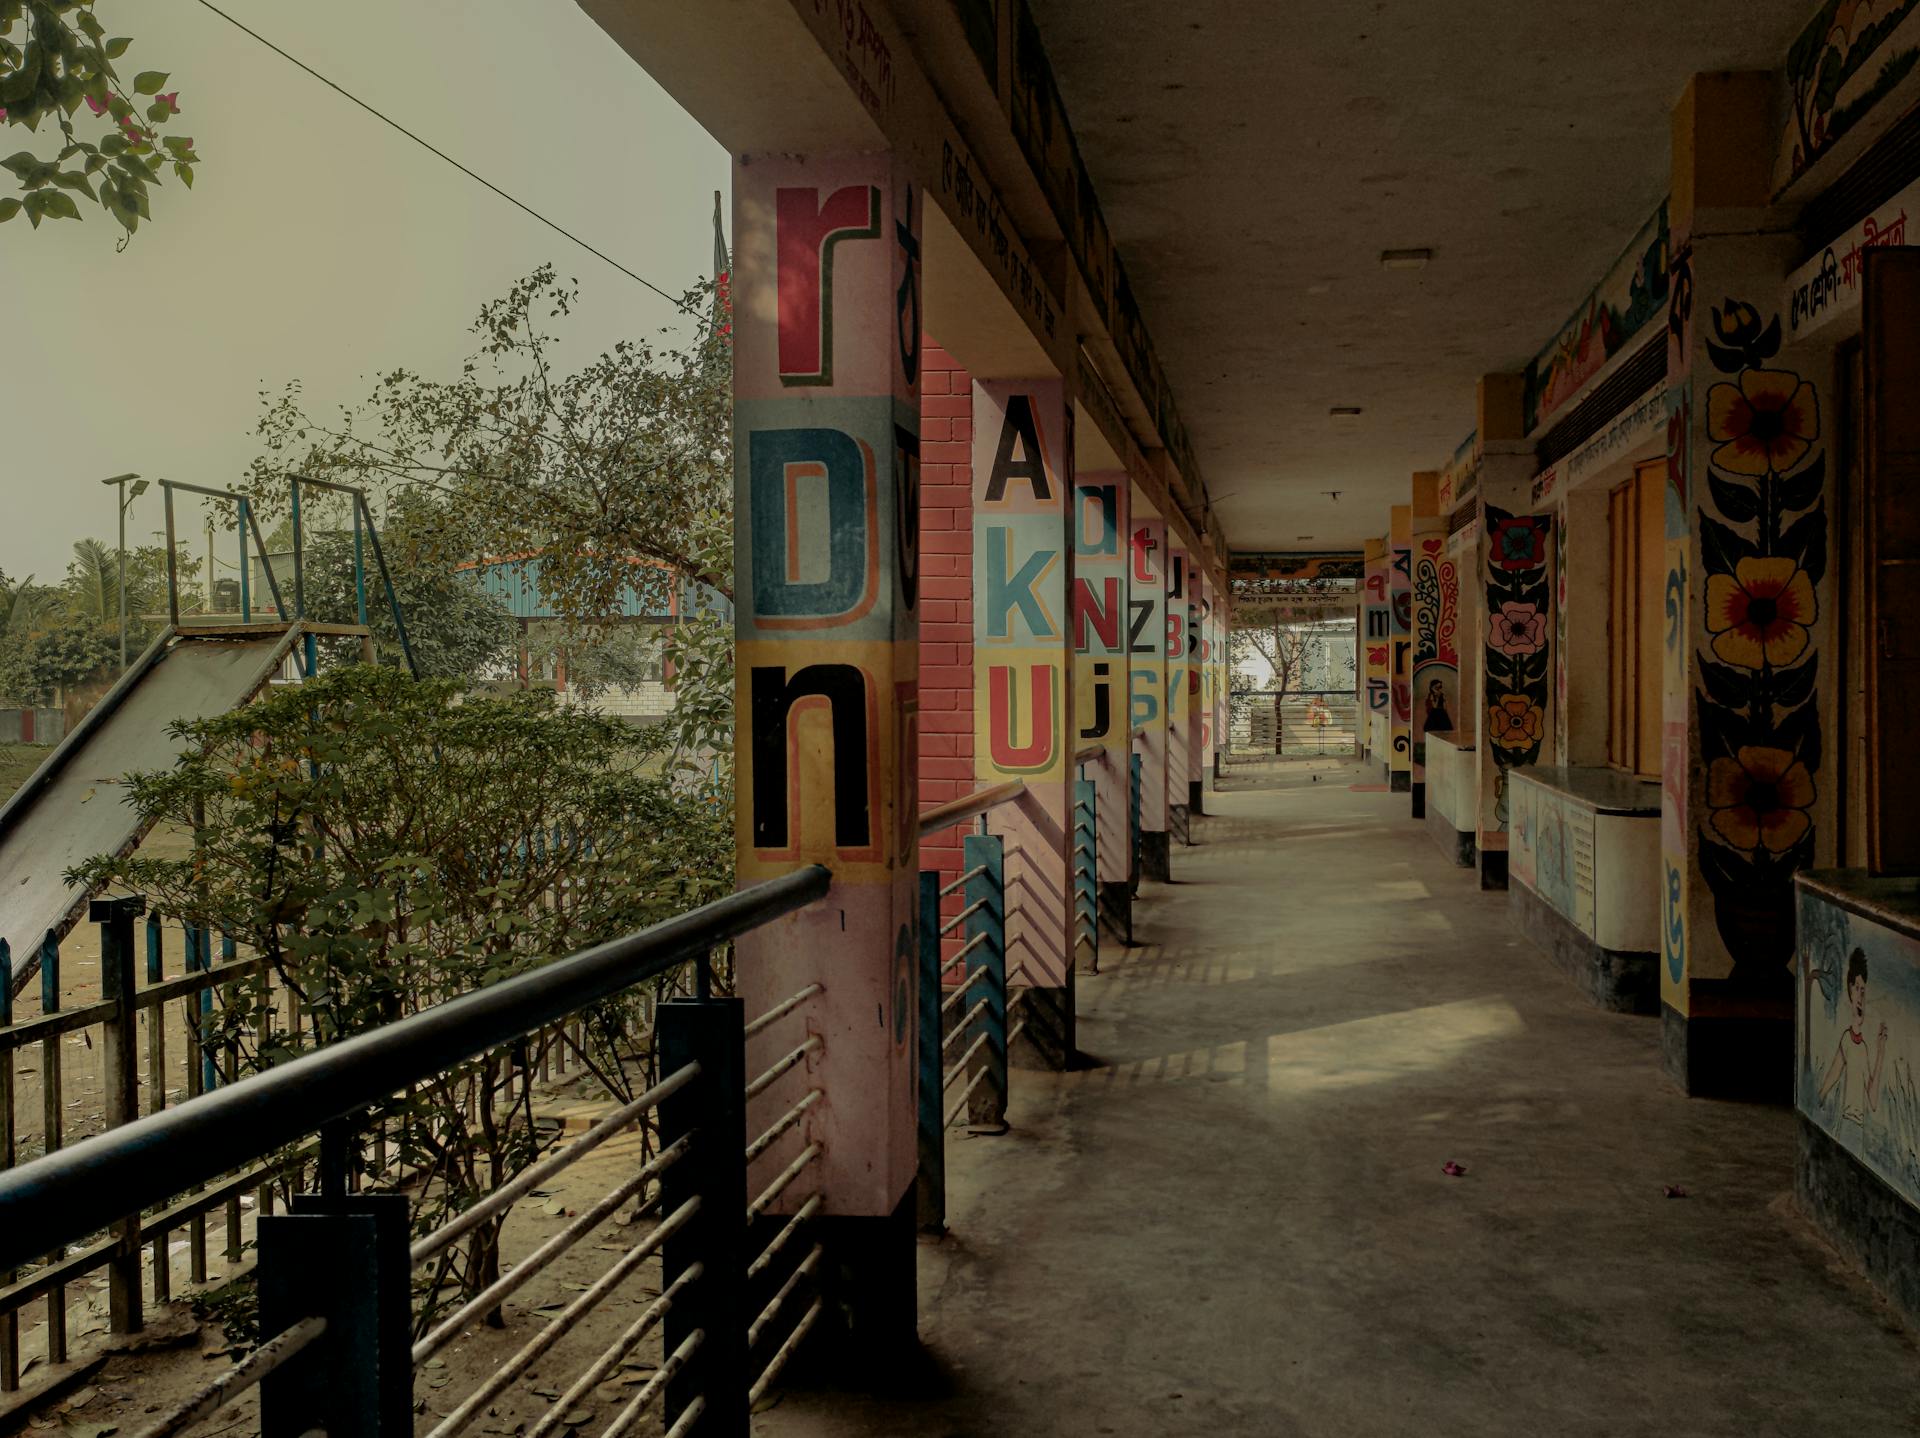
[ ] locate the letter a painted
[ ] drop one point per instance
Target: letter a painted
(1020, 426)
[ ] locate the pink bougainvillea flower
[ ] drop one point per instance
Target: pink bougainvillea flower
(95, 106)
(1760, 799)
(1760, 613)
(1517, 629)
(1452, 1169)
(171, 100)
(1767, 422)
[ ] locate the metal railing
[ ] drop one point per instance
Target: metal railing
(1086, 859)
(336, 1273)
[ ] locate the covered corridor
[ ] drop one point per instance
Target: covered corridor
(1233, 1218)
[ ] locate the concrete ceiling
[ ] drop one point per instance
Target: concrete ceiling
(1253, 161)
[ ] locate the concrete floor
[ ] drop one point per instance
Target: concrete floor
(1234, 1220)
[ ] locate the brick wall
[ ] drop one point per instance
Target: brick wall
(946, 603)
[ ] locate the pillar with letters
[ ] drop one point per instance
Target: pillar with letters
(826, 316)
(1024, 720)
(1147, 678)
(1100, 612)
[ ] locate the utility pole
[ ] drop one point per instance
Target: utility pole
(127, 496)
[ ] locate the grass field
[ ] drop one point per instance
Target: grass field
(16, 762)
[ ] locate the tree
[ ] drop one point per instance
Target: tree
(627, 458)
(387, 844)
(455, 628)
(55, 56)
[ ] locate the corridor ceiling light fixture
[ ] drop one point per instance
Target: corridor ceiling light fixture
(1344, 411)
(1405, 259)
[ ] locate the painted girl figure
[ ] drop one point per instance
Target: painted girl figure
(1439, 721)
(1852, 1068)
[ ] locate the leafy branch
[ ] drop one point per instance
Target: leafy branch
(66, 61)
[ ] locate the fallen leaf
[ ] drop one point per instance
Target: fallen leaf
(1452, 1169)
(1674, 1190)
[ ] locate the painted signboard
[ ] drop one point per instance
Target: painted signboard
(1827, 287)
(1436, 660)
(1633, 293)
(1849, 58)
(1857, 1039)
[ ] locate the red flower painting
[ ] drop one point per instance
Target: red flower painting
(1767, 422)
(1760, 799)
(1759, 614)
(1517, 542)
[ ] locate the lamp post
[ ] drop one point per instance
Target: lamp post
(127, 496)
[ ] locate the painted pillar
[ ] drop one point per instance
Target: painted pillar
(1436, 606)
(1147, 678)
(826, 466)
(1747, 798)
(1582, 550)
(1179, 704)
(1024, 722)
(1198, 727)
(1100, 670)
(1515, 576)
(1400, 651)
(1376, 641)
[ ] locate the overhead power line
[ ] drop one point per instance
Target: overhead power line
(386, 119)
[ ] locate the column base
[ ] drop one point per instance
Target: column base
(1493, 868)
(1619, 981)
(1399, 781)
(868, 1280)
(1748, 1059)
(1419, 798)
(1046, 1041)
(1116, 913)
(1156, 856)
(1874, 1228)
(1456, 844)
(1196, 795)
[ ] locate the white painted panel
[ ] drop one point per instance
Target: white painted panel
(1627, 883)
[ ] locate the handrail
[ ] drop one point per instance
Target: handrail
(967, 806)
(75, 1191)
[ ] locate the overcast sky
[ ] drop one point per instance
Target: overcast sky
(319, 244)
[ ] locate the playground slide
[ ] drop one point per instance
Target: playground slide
(73, 806)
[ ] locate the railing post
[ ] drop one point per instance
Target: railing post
(712, 1114)
(1135, 767)
(1086, 869)
(52, 1120)
(344, 1260)
(988, 1106)
(932, 1185)
(120, 1074)
(9, 1321)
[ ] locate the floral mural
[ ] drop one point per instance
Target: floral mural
(1846, 60)
(1763, 546)
(1519, 666)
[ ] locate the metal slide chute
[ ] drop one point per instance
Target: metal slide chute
(73, 806)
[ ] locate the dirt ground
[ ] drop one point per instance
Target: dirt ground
(129, 1390)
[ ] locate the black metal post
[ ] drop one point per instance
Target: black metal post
(344, 1260)
(712, 1114)
(121, 1073)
